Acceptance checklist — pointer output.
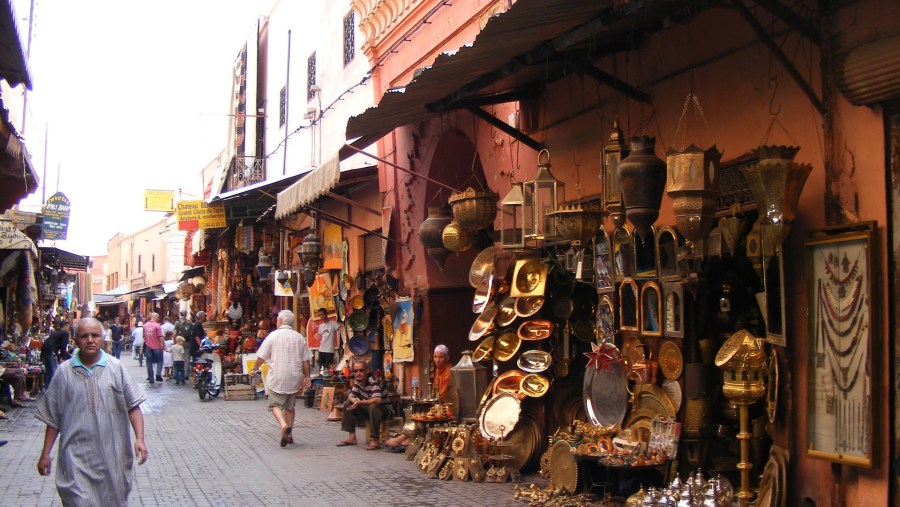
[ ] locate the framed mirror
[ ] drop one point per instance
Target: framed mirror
(606, 318)
(629, 308)
(603, 269)
(774, 290)
(666, 250)
(645, 257)
(673, 314)
(623, 254)
(651, 309)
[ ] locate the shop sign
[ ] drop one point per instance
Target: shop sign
(56, 217)
(159, 200)
(193, 215)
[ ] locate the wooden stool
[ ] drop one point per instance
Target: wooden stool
(37, 382)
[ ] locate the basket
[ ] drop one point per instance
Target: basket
(474, 209)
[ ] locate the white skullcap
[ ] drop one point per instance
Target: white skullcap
(442, 349)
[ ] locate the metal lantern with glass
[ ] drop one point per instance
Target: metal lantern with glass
(613, 153)
(542, 193)
(516, 222)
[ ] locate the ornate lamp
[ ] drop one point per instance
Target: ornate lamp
(613, 153)
(515, 218)
(264, 265)
(310, 250)
(776, 182)
(542, 193)
(430, 233)
(743, 362)
(474, 209)
(470, 380)
(693, 185)
(642, 176)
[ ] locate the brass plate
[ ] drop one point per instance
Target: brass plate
(510, 382)
(357, 302)
(388, 326)
(673, 390)
(563, 468)
(529, 278)
(653, 398)
(506, 312)
(534, 385)
(671, 361)
(484, 351)
(483, 294)
(482, 266)
(524, 442)
(534, 361)
(506, 345)
(484, 322)
(500, 415)
(526, 307)
(535, 330)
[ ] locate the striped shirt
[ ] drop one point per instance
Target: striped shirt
(371, 389)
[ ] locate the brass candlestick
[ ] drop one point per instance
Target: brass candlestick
(742, 360)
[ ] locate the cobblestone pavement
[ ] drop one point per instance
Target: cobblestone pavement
(220, 453)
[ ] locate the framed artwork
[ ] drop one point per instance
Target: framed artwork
(606, 318)
(321, 295)
(623, 254)
(651, 309)
(603, 269)
(673, 314)
(629, 308)
(403, 330)
(332, 239)
(327, 401)
(839, 266)
(666, 252)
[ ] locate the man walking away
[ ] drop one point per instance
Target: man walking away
(287, 353)
(89, 408)
(153, 344)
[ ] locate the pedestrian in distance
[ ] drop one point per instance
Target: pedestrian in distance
(328, 329)
(288, 356)
(153, 346)
(90, 408)
(167, 354)
(55, 349)
(137, 342)
(117, 334)
(178, 359)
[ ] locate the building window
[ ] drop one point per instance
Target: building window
(153, 263)
(282, 106)
(139, 264)
(373, 250)
(348, 38)
(310, 76)
(126, 270)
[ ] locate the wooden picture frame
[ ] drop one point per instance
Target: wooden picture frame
(629, 305)
(604, 273)
(840, 412)
(327, 401)
(623, 253)
(651, 309)
(667, 244)
(673, 313)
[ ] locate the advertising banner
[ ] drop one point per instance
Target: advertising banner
(159, 200)
(56, 217)
(194, 215)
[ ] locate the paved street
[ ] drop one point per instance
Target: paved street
(222, 453)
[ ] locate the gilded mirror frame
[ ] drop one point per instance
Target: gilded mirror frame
(629, 305)
(673, 314)
(667, 244)
(645, 267)
(604, 272)
(651, 309)
(623, 253)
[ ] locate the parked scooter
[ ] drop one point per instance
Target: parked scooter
(208, 373)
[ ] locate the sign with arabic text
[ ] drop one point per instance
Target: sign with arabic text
(56, 217)
(193, 215)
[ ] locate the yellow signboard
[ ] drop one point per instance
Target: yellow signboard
(159, 200)
(193, 215)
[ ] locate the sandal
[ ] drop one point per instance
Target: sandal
(344, 443)
(285, 435)
(373, 446)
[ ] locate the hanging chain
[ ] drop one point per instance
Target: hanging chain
(690, 100)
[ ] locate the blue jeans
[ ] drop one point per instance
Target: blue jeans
(117, 349)
(178, 366)
(154, 356)
(50, 365)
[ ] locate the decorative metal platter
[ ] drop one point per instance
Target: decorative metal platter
(506, 311)
(524, 442)
(500, 415)
(483, 294)
(482, 266)
(534, 361)
(563, 468)
(535, 330)
(673, 390)
(510, 382)
(653, 398)
(484, 322)
(528, 306)
(671, 362)
(484, 351)
(534, 385)
(604, 394)
(529, 278)
(506, 345)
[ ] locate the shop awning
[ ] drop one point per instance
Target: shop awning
(313, 184)
(517, 53)
(118, 291)
(253, 201)
(187, 274)
(11, 238)
(13, 67)
(53, 256)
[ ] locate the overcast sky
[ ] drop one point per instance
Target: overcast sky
(134, 95)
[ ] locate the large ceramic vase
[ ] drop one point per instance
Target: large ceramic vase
(642, 176)
(431, 230)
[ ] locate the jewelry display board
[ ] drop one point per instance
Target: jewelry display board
(839, 265)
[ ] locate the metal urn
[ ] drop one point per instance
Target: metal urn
(576, 224)
(743, 361)
(474, 209)
(470, 380)
(431, 230)
(693, 185)
(456, 238)
(310, 250)
(642, 177)
(776, 182)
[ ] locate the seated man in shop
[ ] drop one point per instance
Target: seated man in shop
(363, 402)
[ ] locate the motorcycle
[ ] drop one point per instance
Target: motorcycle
(208, 373)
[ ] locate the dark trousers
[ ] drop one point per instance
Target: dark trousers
(50, 365)
(372, 413)
(117, 349)
(154, 356)
(326, 360)
(179, 371)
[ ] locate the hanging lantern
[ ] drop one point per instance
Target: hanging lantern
(310, 250)
(542, 193)
(456, 238)
(642, 176)
(309, 276)
(431, 230)
(474, 209)
(693, 185)
(613, 153)
(515, 218)
(776, 182)
(575, 223)
(264, 265)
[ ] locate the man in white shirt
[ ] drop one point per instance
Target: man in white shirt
(168, 326)
(287, 353)
(328, 331)
(137, 342)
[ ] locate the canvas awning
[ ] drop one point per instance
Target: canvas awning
(307, 189)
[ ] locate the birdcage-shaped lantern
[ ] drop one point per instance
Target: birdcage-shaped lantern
(543, 193)
(743, 362)
(516, 221)
(613, 153)
(470, 380)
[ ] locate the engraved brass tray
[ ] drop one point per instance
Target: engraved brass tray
(484, 351)
(528, 306)
(484, 322)
(506, 312)
(529, 278)
(500, 415)
(506, 345)
(482, 266)
(534, 385)
(535, 330)
(563, 468)
(534, 361)
(671, 361)
(510, 382)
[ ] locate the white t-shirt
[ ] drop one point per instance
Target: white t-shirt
(328, 331)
